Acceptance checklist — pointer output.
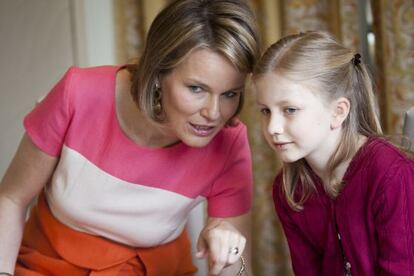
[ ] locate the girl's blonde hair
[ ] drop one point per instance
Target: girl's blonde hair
(227, 27)
(338, 72)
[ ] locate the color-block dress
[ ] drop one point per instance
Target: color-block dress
(108, 187)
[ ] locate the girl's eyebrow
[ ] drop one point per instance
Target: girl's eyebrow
(283, 102)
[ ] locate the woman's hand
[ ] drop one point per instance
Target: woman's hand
(222, 243)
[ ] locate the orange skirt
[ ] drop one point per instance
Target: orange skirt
(51, 248)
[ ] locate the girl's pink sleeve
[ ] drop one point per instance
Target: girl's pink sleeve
(47, 123)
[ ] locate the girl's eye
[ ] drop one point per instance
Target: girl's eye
(230, 94)
(195, 88)
(290, 110)
(265, 111)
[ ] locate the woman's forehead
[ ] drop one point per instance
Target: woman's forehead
(208, 67)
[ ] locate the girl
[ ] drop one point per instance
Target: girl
(345, 196)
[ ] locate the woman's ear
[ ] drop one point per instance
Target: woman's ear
(341, 108)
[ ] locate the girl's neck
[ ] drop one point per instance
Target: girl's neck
(320, 164)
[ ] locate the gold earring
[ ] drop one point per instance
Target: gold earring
(156, 103)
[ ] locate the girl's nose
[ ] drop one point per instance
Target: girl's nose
(275, 126)
(211, 108)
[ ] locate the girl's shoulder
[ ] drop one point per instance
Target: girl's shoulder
(380, 159)
(277, 189)
(381, 150)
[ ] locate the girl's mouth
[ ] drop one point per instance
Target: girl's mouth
(282, 146)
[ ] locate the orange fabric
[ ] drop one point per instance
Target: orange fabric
(51, 248)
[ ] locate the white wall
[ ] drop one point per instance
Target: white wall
(94, 32)
(39, 41)
(35, 49)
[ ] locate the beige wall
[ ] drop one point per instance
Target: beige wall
(35, 49)
(39, 41)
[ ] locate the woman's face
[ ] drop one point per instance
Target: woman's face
(199, 96)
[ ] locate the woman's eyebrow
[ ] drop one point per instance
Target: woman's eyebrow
(207, 87)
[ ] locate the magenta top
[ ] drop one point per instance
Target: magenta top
(374, 217)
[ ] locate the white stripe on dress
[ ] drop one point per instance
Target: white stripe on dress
(87, 199)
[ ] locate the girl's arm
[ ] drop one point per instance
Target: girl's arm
(26, 176)
(218, 237)
(305, 259)
(394, 220)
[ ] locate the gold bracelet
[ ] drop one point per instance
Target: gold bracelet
(243, 266)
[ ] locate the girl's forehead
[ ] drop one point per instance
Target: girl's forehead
(276, 84)
(280, 89)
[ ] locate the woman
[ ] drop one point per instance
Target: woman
(120, 156)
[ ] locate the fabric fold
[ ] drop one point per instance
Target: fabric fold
(51, 248)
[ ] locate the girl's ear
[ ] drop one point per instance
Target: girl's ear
(341, 108)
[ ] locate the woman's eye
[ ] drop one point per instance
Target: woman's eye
(290, 110)
(265, 111)
(230, 94)
(195, 88)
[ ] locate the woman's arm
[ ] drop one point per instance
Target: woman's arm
(26, 176)
(219, 237)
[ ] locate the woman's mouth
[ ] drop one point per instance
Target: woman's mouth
(202, 130)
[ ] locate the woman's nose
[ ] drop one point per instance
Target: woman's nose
(211, 108)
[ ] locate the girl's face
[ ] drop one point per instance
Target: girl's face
(295, 121)
(200, 96)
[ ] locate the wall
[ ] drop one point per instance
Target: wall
(40, 40)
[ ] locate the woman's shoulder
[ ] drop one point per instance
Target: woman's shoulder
(91, 74)
(231, 133)
(90, 85)
(230, 142)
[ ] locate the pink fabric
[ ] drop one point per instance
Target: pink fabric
(79, 113)
(374, 214)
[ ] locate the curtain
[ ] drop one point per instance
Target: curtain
(393, 70)
(394, 32)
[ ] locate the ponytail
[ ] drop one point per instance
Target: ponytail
(365, 102)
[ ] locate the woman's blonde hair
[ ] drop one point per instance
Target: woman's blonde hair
(338, 72)
(227, 27)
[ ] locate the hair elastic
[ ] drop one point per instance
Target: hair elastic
(356, 60)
